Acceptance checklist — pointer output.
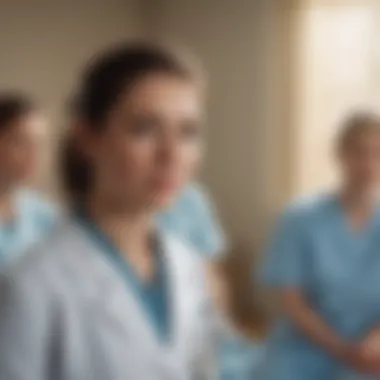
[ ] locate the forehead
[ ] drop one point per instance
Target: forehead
(33, 123)
(368, 134)
(164, 94)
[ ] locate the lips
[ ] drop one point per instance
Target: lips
(166, 185)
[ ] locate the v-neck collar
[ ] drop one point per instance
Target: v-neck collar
(356, 234)
(134, 284)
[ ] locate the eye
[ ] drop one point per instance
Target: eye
(191, 130)
(144, 127)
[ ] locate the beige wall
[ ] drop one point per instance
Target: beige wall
(44, 43)
(242, 47)
(339, 64)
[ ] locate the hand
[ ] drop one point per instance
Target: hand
(358, 358)
(363, 356)
(370, 347)
(371, 343)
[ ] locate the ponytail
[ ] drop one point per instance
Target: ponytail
(75, 170)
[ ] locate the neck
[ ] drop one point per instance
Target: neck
(358, 198)
(6, 205)
(128, 229)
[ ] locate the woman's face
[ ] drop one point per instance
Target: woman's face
(361, 160)
(20, 146)
(151, 145)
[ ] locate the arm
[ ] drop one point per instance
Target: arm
(371, 346)
(296, 307)
(22, 331)
(287, 270)
(360, 356)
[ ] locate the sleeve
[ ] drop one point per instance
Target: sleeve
(284, 261)
(22, 332)
(207, 235)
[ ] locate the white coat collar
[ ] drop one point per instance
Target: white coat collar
(110, 296)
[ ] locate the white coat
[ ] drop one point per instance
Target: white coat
(67, 314)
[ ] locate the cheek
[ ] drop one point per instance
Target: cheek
(21, 159)
(374, 167)
(129, 162)
(365, 168)
(189, 161)
(5, 162)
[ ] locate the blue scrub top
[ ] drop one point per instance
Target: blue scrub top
(153, 296)
(338, 269)
(193, 218)
(240, 359)
(34, 219)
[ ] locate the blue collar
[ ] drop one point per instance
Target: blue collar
(146, 293)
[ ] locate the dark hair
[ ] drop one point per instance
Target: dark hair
(354, 125)
(12, 107)
(105, 79)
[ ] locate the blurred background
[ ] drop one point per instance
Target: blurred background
(282, 74)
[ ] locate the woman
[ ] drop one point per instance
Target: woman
(324, 262)
(192, 217)
(25, 217)
(109, 295)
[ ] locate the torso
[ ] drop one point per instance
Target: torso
(343, 286)
(105, 332)
(343, 268)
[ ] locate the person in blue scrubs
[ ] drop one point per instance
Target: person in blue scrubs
(25, 216)
(192, 217)
(241, 358)
(323, 260)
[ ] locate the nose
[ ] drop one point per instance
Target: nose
(168, 151)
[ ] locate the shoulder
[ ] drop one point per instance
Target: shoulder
(46, 263)
(36, 204)
(195, 218)
(192, 197)
(34, 287)
(191, 200)
(307, 209)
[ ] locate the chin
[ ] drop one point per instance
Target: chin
(24, 181)
(162, 202)
(26, 177)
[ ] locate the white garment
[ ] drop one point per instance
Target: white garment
(67, 314)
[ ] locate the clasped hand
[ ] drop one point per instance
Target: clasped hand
(364, 356)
